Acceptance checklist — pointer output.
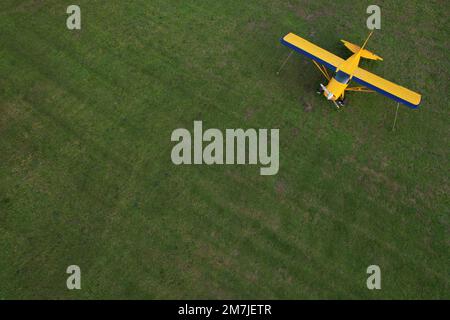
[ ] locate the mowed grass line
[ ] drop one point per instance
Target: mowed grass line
(87, 176)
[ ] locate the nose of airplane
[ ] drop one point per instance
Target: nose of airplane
(326, 92)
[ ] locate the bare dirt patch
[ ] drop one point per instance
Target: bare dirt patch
(249, 112)
(280, 188)
(308, 106)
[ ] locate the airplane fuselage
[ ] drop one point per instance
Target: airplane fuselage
(336, 87)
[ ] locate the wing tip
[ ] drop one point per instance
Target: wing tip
(286, 36)
(419, 103)
(416, 104)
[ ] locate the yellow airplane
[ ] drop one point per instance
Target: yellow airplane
(347, 70)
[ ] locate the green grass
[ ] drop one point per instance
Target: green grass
(86, 176)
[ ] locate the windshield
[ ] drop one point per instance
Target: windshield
(342, 77)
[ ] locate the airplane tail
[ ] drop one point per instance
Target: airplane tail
(364, 53)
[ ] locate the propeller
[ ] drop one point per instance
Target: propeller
(329, 95)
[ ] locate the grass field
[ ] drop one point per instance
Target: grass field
(86, 176)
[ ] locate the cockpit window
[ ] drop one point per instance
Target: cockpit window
(342, 77)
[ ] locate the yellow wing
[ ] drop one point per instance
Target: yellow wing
(312, 51)
(387, 88)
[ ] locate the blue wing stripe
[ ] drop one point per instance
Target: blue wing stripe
(307, 54)
(385, 93)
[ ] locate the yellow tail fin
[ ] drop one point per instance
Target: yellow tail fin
(364, 54)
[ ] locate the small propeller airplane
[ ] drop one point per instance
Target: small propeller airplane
(347, 70)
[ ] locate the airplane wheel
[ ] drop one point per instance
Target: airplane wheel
(343, 102)
(319, 90)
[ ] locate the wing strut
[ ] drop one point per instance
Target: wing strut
(323, 70)
(359, 89)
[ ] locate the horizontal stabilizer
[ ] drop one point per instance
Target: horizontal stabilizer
(364, 54)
